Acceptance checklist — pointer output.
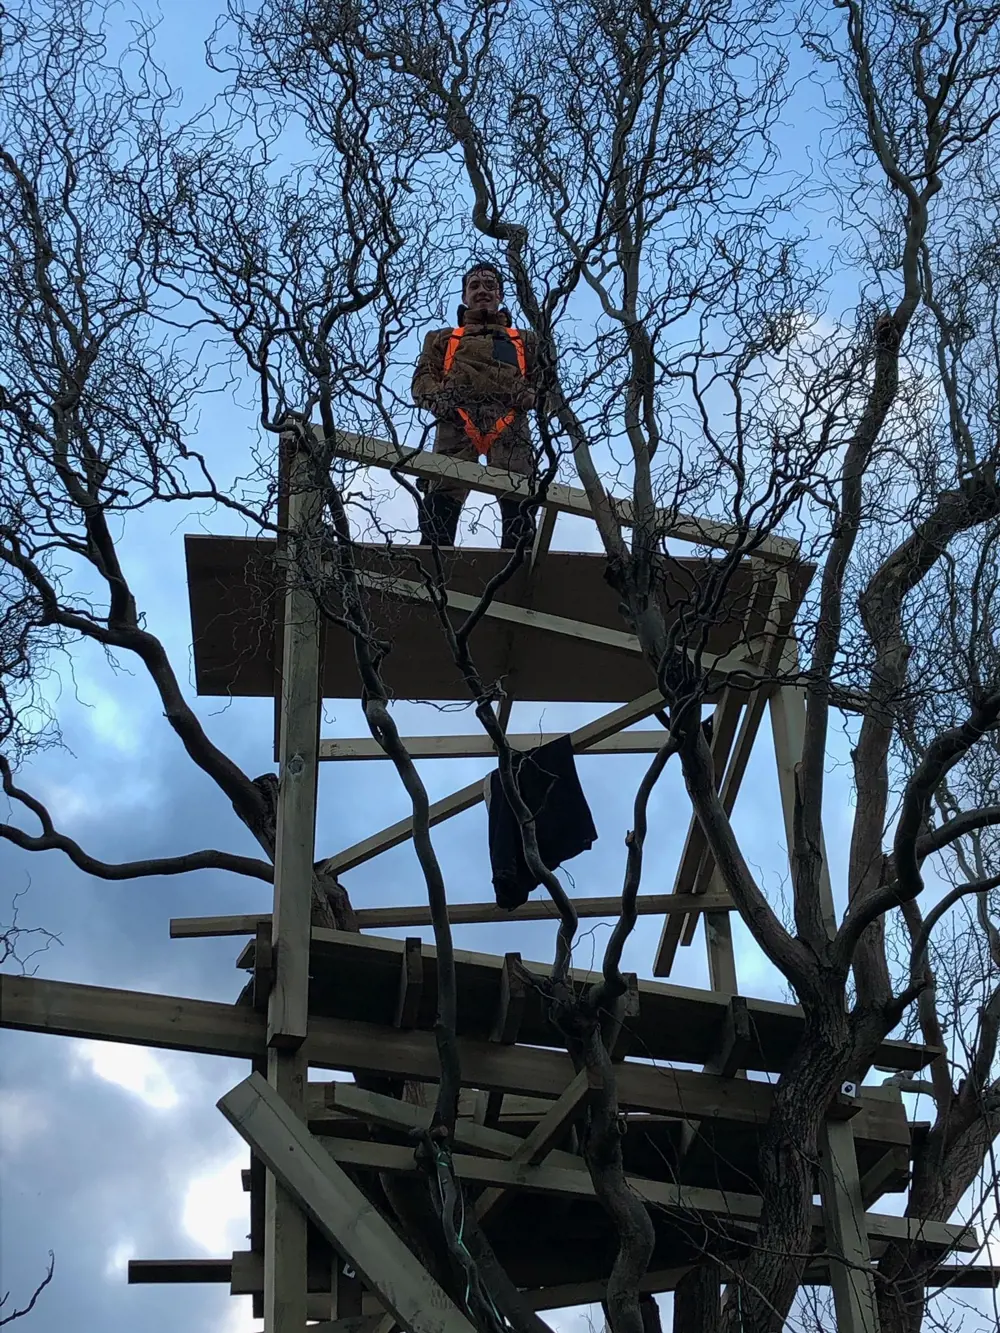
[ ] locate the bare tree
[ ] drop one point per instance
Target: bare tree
(93, 392)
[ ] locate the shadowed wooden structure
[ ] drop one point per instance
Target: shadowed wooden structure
(321, 1246)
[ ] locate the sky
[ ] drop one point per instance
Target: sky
(109, 1152)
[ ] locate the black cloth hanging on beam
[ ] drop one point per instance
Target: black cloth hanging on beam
(564, 827)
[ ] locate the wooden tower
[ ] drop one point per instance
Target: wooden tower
(321, 1248)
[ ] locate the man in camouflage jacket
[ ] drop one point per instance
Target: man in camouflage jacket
(477, 380)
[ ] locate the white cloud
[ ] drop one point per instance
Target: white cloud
(23, 1117)
(116, 1265)
(138, 1071)
(238, 1317)
(215, 1213)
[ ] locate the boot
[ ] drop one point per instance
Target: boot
(513, 523)
(439, 515)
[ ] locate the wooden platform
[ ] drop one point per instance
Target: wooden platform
(232, 591)
(357, 977)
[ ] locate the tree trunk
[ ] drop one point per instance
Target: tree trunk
(788, 1156)
(697, 1303)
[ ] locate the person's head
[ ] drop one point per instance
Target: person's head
(482, 288)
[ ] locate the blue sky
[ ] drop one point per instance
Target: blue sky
(108, 1153)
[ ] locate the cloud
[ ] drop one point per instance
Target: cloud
(118, 1259)
(140, 1072)
(24, 1117)
(215, 1209)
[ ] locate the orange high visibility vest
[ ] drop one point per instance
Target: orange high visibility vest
(481, 441)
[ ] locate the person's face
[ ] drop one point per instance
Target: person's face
(482, 291)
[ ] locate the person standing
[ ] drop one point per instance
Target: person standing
(477, 380)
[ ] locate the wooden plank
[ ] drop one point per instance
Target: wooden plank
(177, 1023)
(889, 1174)
(287, 969)
(411, 984)
(336, 1099)
(513, 998)
(851, 1275)
(167, 1022)
(263, 966)
(730, 1055)
(341, 1211)
(697, 872)
(143, 1271)
(467, 797)
(569, 1294)
(563, 499)
(481, 747)
(461, 914)
(620, 1027)
(510, 1015)
(248, 1280)
(788, 723)
(696, 847)
(739, 661)
(298, 744)
(675, 1022)
(409, 591)
(576, 1184)
(285, 1235)
(539, 1142)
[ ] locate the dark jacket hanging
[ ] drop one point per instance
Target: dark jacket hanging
(564, 827)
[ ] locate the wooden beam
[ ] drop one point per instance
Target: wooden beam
(263, 966)
(732, 1052)
(510, 1005)
(619, 1026)
(889, 1175)
(411, 984)
(569, 1294)
(248, 1280)
(788, 722)
(851, 1275)
(340, 1098)
(539, 1142)
(697, 872)
(566, 1183)
(481, 747)
(408, 590)
(461, 914)
(298, 743)
(285, 1233)
(563, 499)
(737, 662)
(143, 1271)
(730, 1055)
(284, 977)
(341, 1211)
(171, 1022)
(165, 1021)
(507, 1024)
(467, 797)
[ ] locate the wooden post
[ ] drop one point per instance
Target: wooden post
(288, 1002)
(788, 727)
(298, 749)
(843, 1209)
(851, 1274)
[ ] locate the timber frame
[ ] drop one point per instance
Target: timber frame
(322, 1252)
